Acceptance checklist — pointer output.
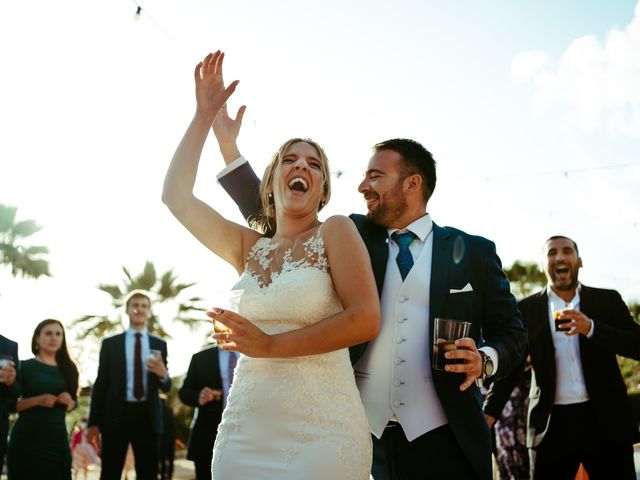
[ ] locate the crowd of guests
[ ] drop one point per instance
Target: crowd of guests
(126, 419)
(329, 382)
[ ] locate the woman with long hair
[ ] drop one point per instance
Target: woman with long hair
(39, 442)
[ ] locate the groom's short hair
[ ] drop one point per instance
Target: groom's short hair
(417, 159)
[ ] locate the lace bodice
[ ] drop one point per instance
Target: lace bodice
(287, 285)
(268, 259)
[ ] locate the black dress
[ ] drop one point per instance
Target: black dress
(39, 442)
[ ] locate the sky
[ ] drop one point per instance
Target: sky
(531, 109)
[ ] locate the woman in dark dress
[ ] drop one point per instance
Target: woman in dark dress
(39, 442)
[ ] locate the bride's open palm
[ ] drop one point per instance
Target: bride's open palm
(211, 93)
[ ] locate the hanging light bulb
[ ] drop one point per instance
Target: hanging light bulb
(138, 12)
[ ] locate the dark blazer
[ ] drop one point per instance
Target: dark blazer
(8, 395)
(109, 392)
(204, 371)
(458, 259)
(615, 332)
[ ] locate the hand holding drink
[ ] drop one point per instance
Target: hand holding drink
(155, 363)
(446, 332)
(562, 322)
(7, 369)
(226, 301)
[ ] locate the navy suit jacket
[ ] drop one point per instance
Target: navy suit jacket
(8, 395)
(204, 371)
(109, 392)
(458, 259)
(614, 332)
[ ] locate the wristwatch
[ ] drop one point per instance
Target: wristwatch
(487, 365)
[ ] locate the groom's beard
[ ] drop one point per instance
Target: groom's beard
(391, 206)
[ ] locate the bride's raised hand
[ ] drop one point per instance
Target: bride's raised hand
(243, 336)
(211, 93)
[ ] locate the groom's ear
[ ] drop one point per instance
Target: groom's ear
(413, 183)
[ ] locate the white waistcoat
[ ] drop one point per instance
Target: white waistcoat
(394, 374)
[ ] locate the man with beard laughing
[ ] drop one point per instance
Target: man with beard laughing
(579, 411)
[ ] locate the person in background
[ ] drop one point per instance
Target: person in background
(39, 441)
(83, 454)
(168, 441)
(125, 405)
(206, 387)
(579, 411)
(9, 389)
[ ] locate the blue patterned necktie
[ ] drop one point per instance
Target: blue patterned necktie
(404, 258)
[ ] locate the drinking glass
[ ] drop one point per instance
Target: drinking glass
(445, 332)
(227, 300)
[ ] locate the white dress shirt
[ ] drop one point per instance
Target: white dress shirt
(570, 384)
(129, 349)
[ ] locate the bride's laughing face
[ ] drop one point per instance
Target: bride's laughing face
(299, 180)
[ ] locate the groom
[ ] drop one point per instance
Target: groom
(424, 422)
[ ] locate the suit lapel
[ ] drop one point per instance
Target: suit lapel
(121, 358)
(376, 240)
(542, 329)
(440, 260)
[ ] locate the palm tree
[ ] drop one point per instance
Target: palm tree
(25, 261)
(164, 290)
(525, 278)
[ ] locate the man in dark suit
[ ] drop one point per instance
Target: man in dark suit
(579, 411)
(206, 387)
(424, 422)
(125, 405)
(9, 390)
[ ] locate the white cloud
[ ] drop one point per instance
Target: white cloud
(526, 64)
(596, 83)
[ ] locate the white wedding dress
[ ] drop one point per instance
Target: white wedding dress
(297, 418)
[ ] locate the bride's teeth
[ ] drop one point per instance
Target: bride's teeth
(298, 180)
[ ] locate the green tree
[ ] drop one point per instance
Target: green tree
(164, 289)
(525, 278)
(26, 261)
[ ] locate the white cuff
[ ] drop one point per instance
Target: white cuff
(231, 167)
(593, 327)
(493, 354)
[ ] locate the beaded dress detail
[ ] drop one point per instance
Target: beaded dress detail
(291, 418)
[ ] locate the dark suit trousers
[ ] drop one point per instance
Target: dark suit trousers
(573, 438)
(135, 429)
(436, 454)
(203, 469)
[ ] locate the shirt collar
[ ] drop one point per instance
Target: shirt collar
(131, 332)
(576, 297)
(421, 227)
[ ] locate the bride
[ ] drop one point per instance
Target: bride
(308, 293)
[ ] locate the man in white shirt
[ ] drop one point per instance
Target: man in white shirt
(125, 405)
(579, 411)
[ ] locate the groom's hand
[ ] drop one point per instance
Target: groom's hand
(472, 365)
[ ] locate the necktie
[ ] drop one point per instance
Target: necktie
(138, 388)
(404, 258)
(233, 360)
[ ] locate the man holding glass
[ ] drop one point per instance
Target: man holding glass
(425, 421)
(579, 411)
(9, 389)
(125, 405)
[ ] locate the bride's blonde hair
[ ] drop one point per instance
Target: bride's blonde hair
(266, 221)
